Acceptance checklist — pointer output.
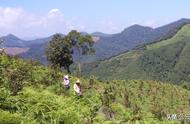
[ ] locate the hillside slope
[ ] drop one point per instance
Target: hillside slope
(39, 98)
(134, 36)
(167, 60)
(12, 41)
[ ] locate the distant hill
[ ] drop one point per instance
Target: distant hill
(36, 52)
(36, 49)
(16, 50)
(97, 34)
(100, 34)
(28, 49)
(134, 36)
(12, 41)
(106, 45)
(117, 43)
(38, 41)
(166, 60)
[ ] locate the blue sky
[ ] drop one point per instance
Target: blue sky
(40, 18)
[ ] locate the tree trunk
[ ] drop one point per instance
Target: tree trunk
(68, 69)
(79, 64)
(79, 67)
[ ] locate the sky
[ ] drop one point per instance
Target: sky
(42, 18)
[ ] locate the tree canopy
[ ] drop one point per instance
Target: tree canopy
(60, 49)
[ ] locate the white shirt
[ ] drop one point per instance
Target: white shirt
(76, 88)
(66, 82)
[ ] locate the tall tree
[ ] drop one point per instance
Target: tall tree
(82, 44)
(59, 50)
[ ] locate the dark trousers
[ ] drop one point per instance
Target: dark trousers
(66, 87)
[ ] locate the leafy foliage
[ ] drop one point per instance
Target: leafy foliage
(82, 44)
(42, 101)
(59, 50)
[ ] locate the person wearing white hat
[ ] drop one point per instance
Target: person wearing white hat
(66, 83)
(77, 88)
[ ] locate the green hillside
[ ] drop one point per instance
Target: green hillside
(31, 94)
(167, 60)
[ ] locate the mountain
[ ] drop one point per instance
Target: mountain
(100, 34)
(96, 34)
(28, 49)
(14, 45)
(12, 41)
(134, 36)
(36, 52)
(16, 50)
(166, 60)
(115, 44)
(36, 49)
(108, 46)
(38, 41)
(32, 94)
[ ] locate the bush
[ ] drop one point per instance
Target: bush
(16, 78)
(8, 118)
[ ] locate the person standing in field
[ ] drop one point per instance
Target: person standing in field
(66, 83)
(77, 88)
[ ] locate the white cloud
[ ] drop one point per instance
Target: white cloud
(55, 13)
(24, 24)
(10, 16)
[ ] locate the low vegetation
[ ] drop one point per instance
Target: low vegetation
(32, 94)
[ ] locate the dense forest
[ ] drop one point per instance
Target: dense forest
(166, 60)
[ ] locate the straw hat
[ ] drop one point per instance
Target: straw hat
(78, 81)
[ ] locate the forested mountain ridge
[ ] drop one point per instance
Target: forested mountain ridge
(166, 60)
(134, 36)
(106, 45)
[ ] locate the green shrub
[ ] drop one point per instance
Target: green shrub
(16, 118)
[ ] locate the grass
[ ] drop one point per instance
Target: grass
(184, 32)
(43, 101)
